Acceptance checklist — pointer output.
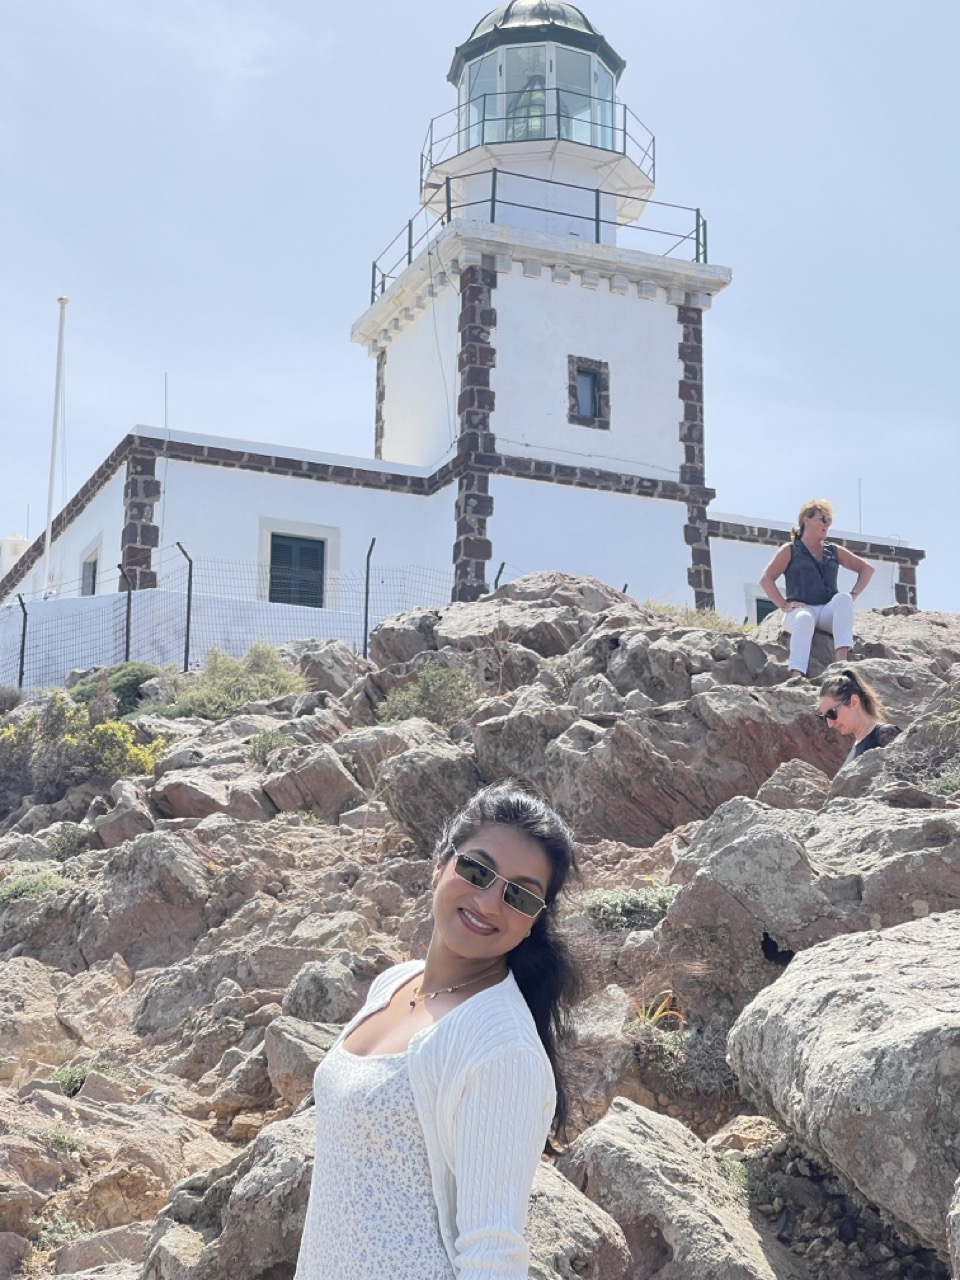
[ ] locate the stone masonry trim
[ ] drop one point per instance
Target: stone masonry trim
(472, 548)
(696, 532)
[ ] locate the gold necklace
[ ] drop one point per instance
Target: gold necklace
(419, 994)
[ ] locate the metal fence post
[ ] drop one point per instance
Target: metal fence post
(493, 195)
(409, 242)
(449, 197)
(186, 629)
(496, 581)
(596, 214)
(373, 284)
(23, 643)
(366, 597)
(126, 641)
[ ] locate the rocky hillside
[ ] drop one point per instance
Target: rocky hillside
(766, 1067)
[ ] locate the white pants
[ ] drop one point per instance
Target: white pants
(836, 616)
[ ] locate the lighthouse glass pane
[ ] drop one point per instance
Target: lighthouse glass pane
(606, 134)
(526, 94)
(573, 93)
(482, 111)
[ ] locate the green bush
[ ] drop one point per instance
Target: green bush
(124, 682)
(440, 694)
(52, 749)
(56, 1230)
(31, 885)
(67, 749)
(70, 1078)
(611, 909)
(70, 840)
(10, 697)
(224, 683)
(267, 740)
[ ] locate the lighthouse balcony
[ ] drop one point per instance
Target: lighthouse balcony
(569, 213)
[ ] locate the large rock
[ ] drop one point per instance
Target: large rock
(600, 1062)
(856, 1049)
(930, 638)
(653, 770)
(570, 1237)
(761, 884)
(29, 1026)
(795, 785)
(513, 744)
(402, 636)
(129, 817)
(196, 793)
(683, 1217)
(328, 666)
(366, 749)
(546, 629)
(118, 1244)
(313, 778)
(243, 1219)
(425, 786)
(294, 1050)
(323, 991)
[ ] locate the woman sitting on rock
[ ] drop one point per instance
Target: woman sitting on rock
(809, 565)
(851, 706)
(434, 1106)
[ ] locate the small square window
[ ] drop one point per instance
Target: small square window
(88, 577)
(588, 392)
(296, 570)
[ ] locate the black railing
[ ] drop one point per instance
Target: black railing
(421, 228)
(550, 114)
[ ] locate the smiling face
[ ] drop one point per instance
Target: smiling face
(846, 717)
(475, 923)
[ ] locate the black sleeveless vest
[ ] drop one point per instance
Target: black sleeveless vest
(811, 580)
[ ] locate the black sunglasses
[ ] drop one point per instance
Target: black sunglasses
(514, 895)
(832, 713)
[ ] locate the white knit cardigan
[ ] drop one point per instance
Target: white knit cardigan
(485, 1096)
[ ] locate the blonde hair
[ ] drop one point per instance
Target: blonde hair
(810, 509)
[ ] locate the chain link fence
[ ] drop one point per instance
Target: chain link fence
(202, 604)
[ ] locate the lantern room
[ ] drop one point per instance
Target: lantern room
(537, 129)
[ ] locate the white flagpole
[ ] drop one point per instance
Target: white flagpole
(47, 576)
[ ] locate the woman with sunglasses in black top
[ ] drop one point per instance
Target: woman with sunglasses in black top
(851, 706)
(436, 1103)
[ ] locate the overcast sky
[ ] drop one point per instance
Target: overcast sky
(208, 181)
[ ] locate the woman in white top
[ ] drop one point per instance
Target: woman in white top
(436, 1103)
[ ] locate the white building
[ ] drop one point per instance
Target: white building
(538, 336)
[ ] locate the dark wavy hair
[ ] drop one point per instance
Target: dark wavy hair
(541, 964)
(848, 683)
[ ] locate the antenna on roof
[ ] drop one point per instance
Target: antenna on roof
(46, 579)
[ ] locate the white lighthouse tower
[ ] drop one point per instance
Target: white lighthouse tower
(537, 325)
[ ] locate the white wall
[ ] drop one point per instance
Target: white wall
(222, 513)
(99, 525)
(422, 383)
(612, 536)
(539, 324)
(737, 567)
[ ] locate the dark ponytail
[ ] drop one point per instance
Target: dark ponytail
(541, 964)
(848, 683)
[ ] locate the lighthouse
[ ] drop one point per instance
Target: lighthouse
(538, 323)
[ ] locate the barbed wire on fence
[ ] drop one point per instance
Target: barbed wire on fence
(197, 606)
